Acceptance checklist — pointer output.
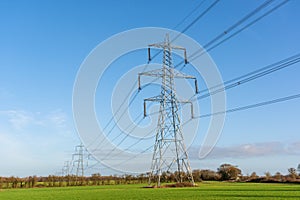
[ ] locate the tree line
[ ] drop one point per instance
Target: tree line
(226, 172)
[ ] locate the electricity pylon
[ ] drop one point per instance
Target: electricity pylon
(66, 169)
(170, 153)
(78, 160)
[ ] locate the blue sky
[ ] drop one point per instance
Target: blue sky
(44, 43)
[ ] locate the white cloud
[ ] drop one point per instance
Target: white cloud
(250, 150)
(19, 119)
(58, 118)
(34, 143)
(23, 121)
(293, 148)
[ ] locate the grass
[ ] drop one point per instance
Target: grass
(206, 190)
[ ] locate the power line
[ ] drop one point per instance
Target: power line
(139, 140)
(192, 23)
(197, 19)
(135, 143)
(189, 14)
(254, 75)
(237, 32)
(225, 32)
(261, 72)
(247, 77)
(136, 155)
(283, 99)
(132, 88)
(116, 146)
(251, 76)
(256, 10)
(184, 30)
(226, 38)
(230, 29)
(243, 79)
(123, 162)
(261, 104)
(111, 119)
(253, 72)
(116, 123)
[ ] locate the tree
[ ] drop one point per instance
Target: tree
(278, 176)
(229, 172)
(197, 175)
(253, 175)
(209, 175)
(164, 177)
(142, 178)
(96, 179)
(292, 173)
(33, 181)
(128, 178)
(268, 175)
(14, 181)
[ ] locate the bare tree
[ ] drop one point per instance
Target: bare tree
(292, 173)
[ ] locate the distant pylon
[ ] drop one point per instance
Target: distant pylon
(78, 161)
(170, 154)
(66, 169)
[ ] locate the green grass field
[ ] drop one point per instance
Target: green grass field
(206, 190)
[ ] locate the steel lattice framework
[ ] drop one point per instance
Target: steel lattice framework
(78, 161)
(170, 154)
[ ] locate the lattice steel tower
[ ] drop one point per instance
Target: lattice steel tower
(170, 154)
(78, 160)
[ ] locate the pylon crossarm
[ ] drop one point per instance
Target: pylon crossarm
(152, 73)
(152, 99)
(184, 76)
(184, 51)
(156, 98)
(178, 74)
(166, 45)
(159, 45)
(192, 107)
(178, 47)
